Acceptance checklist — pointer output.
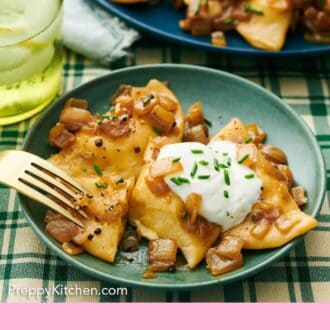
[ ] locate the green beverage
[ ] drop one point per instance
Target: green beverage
(30, 57)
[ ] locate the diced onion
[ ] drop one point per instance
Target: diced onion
(72, 249)
(298, 194)
(257, 134)
(247, 149)
(273, 154)
(196, 133)
(164, 167)
(157, 185)
(60, 137)
(195, 114)
(167, 103)
(162, 119)
(193, 203)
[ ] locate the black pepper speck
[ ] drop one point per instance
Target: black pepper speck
(99, 142)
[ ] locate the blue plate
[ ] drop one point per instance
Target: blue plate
(226, 96)
(163, 21)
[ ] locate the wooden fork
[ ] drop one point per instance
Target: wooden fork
(43, 182)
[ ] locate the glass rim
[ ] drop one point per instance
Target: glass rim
(61, 2)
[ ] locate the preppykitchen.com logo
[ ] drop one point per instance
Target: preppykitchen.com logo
(61, 289)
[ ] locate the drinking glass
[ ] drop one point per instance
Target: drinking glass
(30, 56)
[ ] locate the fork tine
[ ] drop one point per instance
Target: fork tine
(36, 195)
(56, 183)
(51, 191)
(46, 165)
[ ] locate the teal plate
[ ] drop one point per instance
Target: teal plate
(223, 96)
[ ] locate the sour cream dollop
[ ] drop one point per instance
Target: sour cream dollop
(228, 188)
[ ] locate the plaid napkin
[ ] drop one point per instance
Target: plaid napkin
(91, 32)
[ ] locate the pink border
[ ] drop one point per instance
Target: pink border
(165, 316)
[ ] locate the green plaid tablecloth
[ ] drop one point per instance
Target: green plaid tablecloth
(303, 275)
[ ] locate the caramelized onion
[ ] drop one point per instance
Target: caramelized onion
(273, 154)
(226, 256)
(130, 241)
(71, 249)
(218, 265)
(62, 230)
(195, 114)
(157, 185)
(167, 103)
(162, 254)
(60, 137)
(198, 133)
(114, 128)
(201, 227)
(230, 247)
(201, 26)
(75, 114)
(123, 90)
(193, 203)
(76, 103)
(247, 149)
(165, 166)
(162, 119)
(147, 275)
(257, 134)
(298, 194)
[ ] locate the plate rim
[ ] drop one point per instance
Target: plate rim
(281, 251)
(106, 5)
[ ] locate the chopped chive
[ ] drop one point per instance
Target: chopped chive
(248, 139)
(112, 108)
(197, 151)
(84, 169)
(103, 117)
(183, 180)
(249, 9)
(225, 154)
(119, 180)
(226, 194)
(221, 165)
(226, 176)
(147, 100)
(249, 176)
(184, 214)
(243, 159)
(203, 162)
(194, 170)
(229, 161)
(99, 184)
(203, 177)
(207, 122)
(97, 169)
(229, 21)
(175, 160)
(216, 165)
(176, 181)
(157, 130)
